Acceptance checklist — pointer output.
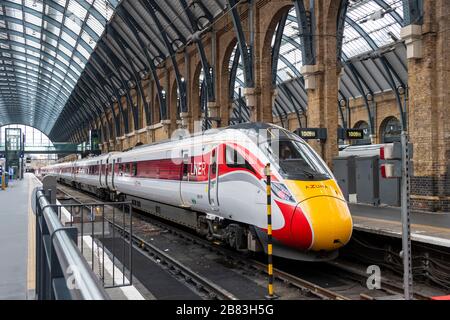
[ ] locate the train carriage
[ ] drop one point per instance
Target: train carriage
(216, 181)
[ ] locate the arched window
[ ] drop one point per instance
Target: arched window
(391, 130)
(363, 125)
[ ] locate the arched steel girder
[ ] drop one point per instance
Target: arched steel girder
(151, 6)
(245, 49)
(138, 31)
(295, 101)
(100, 86)
(306, 26)
(81, 108)
(412, 12)
(277, 46)
(374, 47)
(82, 99)
(359, 84)
(102, 106)
(347, 106)
(116, 63)
(388, 69)
(71, 123)
(342, 14)
(343, 18)
(291, 67)
(154, 39)
(394, 14)
(135, 73)
(103, 76)
(389, 72)
(196, 38)
(233, 71)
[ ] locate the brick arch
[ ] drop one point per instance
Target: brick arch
(383, 124)
(223, 75)
(225, 63)
(332, 8)
(264, 77)
(195, 92)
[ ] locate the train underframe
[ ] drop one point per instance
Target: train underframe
(238, 236)
(241, 237)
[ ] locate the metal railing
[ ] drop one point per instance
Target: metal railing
(94, 229)
(62, 273)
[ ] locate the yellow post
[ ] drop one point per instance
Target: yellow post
(3, 181)
(267, 173)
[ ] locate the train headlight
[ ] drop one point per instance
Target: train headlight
(282, 192)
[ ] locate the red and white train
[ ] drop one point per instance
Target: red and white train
(214, 183)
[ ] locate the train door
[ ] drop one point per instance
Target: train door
(184, 178)
(107, 174)
(100, 173)
(213, 180)
(113, 169)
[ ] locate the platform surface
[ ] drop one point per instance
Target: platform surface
(430, 228)
(14, 234)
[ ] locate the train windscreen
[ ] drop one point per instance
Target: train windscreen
(298, 161)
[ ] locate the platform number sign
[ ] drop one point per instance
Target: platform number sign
(312, 133)
(350, 134)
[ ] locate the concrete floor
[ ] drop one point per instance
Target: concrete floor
(14, 213)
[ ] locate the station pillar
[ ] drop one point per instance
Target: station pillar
(322, 80)
(429, 105)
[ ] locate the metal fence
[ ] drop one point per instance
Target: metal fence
(95, 224)
(62, 273)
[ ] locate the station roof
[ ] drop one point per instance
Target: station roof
(44, 48)
(50, 51)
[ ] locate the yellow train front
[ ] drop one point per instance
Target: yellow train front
(317, 220)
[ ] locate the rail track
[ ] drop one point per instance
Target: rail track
(249, 265)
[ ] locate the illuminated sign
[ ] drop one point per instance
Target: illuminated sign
(312, 133)
(350, 134)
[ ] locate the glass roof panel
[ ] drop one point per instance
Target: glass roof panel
(45, 47)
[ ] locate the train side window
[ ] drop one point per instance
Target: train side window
(127, 168)
(234, 159)
(134, 169)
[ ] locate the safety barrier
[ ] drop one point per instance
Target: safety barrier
(62, 272)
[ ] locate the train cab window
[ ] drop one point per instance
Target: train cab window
(234, 159)
(298, 161)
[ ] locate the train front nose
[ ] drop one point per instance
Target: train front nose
(330, 221)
